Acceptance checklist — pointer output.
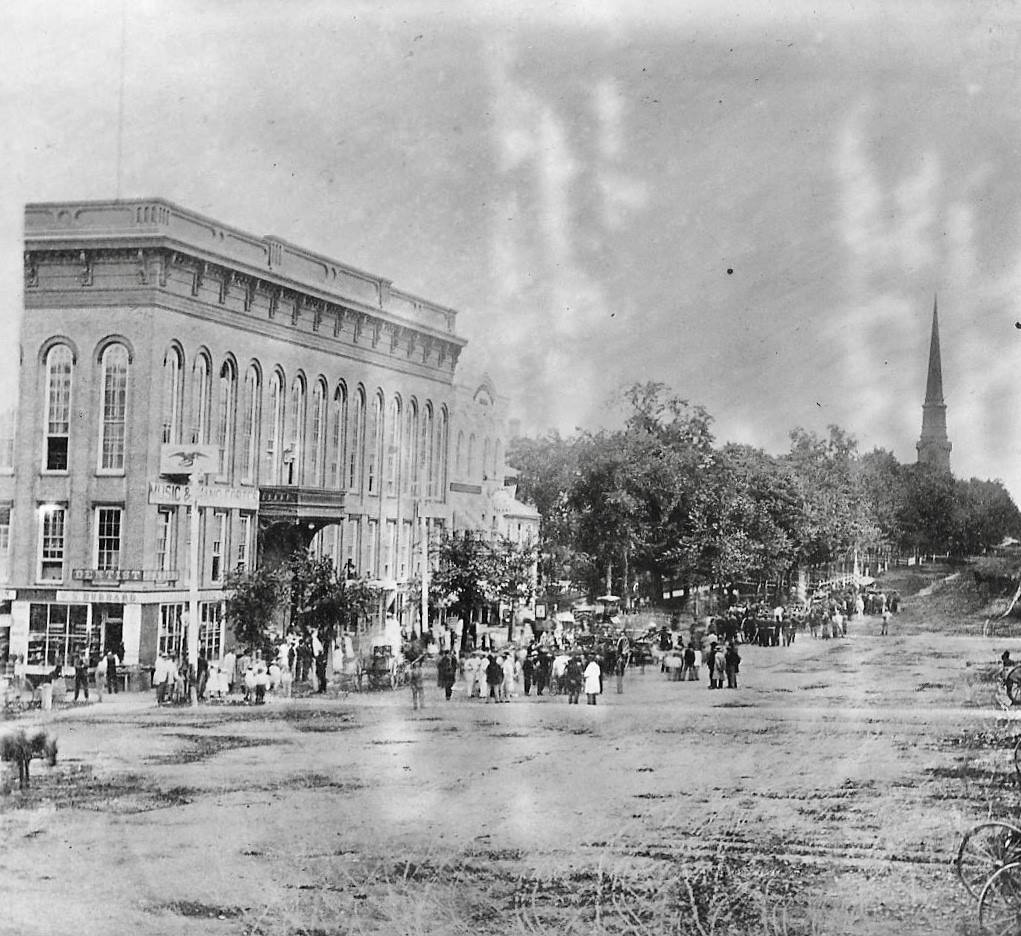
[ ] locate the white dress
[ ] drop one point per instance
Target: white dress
(592, 673)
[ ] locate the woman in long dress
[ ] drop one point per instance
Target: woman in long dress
(593, 678)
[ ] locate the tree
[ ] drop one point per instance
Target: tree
(254, 602)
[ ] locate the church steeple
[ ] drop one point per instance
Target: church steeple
(934, 446)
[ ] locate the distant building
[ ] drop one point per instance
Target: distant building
(934, 445)
(324, 398)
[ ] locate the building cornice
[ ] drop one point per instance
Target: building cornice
(159, 238)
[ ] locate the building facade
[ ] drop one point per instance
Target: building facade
(323, 399)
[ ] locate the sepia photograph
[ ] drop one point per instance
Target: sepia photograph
(366, 366)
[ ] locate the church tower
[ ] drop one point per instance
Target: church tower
(934, 446)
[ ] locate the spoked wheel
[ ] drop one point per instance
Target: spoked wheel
(1013, 684)
(986, 849)
(999, 905)
(1017, 758)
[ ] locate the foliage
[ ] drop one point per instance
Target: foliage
(254, 604)
(658, 498)
(310, 589)
(473, 570)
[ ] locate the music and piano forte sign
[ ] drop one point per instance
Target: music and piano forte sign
(169, 494)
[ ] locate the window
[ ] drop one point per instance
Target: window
(51, 543)
(59, 362)
(440, 460)
(108, 538)
(411, 478)
(428, 463)
(114, 408)
(486, 451)
(244, 542)
(171, 635)
(276, 426)
(217, 545)
(166, 539)
(497, 458)
(372, 549)
(356, 451)
(351, 549)
(375, 439)
(338, 441)
(226, 392)
(200, 401)
(317, 453)
(5, 530)
(393, 449)
(211, 628)
(296, 443)
(57, 633)
(7, 421)
(471, 456)
(250, 426)
(172, 390)
(459, 455)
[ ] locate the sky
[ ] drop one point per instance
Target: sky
(755, 204)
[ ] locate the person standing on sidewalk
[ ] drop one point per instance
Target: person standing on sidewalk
(732, 664)
(593, 681)
(81, 676)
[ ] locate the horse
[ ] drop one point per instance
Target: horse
(19, 748)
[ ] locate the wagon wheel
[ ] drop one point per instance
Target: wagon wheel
(999, 905)
(1013, 683)
(986, 849)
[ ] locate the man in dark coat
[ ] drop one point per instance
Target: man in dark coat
(732, 662)
(446, 669)
(81, 676)
(494, 677)
(542, 672)
(573, 679)
(527, 672)
(111, 672)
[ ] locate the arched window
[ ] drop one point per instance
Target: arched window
(428, 462)
(114, 408)
(356, 449)
(498, 458)
(393, 448)
(225, 396)
(459, 455)
(59, 366)
(317, 451)
(172, 395)
(472, 466)
(442, 449)
(250, 418)
(338, 438)
(199, 433)
(374, 440)
(486, 449)
(293, 459)
(274, 444)
(411, 478)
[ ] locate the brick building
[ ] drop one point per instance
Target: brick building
(324, 398)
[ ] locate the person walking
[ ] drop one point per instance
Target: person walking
(619, 667)
(732, 665)
(415, 680)
(447, 673)
(112, 684)
(572, 679)
(593, 681)
(690, 672)
(494, 679)
(527, 672)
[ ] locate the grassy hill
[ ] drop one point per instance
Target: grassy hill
(945, 599)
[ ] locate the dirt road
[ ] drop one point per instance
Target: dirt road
(826, 795)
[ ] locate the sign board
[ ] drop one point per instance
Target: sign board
(540, 612)
(168, 494)
(189, 459)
